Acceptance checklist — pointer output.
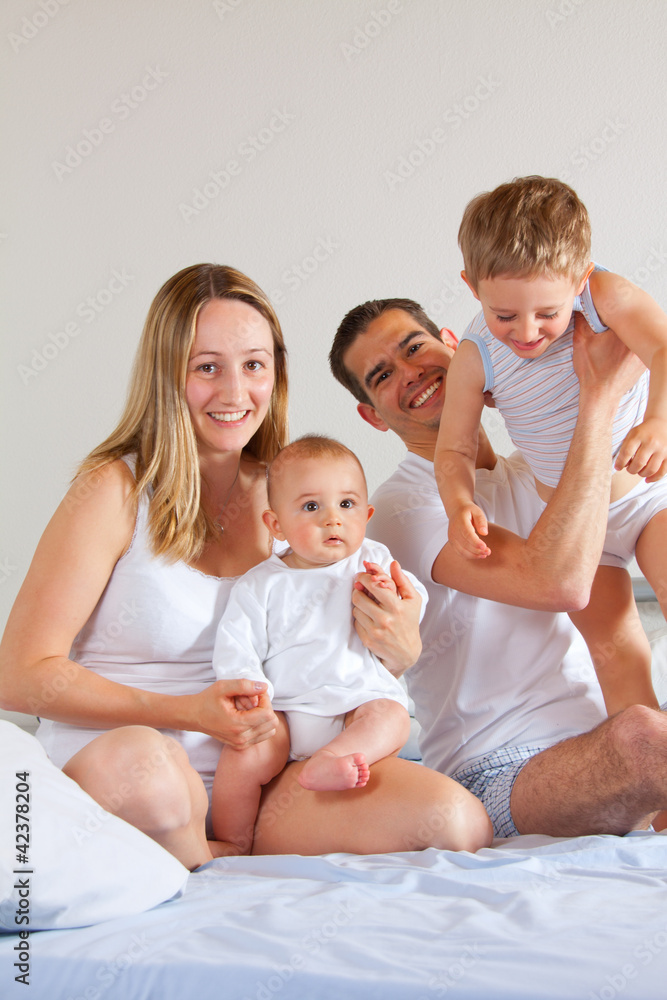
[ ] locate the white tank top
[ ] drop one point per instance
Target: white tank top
(153, 628)
(539, 397)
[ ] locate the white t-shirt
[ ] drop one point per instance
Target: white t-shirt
(490, 674)
(153, 628)
(294, 628)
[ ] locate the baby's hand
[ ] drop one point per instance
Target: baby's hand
(465, 527)
(245, 702)
(381, 578)
(644, 450)
(378, 578)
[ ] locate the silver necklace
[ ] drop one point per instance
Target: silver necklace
(227, 499)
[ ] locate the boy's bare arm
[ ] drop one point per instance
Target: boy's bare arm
(553, 568)
(456, 452)
(642, 325)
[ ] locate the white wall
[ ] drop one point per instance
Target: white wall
(339, 99)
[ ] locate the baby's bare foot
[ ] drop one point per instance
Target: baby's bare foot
(325, 772)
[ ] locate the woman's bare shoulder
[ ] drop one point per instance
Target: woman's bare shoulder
(114, 480)
(101, 496)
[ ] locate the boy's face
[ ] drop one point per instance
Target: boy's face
(527, 314)
(320, 506)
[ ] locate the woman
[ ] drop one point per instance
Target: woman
(111, 636)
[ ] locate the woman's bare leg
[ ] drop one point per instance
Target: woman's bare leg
(404, 807)
(144, 777)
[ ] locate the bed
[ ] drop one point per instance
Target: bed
(93, 910)
(535, 918)
(111, 915)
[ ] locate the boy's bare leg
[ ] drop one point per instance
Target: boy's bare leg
(372, 731)
(651, 553)
(613, 779)
(616, 640)
(237, 788)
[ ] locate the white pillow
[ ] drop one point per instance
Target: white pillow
(65, 861)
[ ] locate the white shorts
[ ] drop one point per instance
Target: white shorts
(309, 733)
(627, 519)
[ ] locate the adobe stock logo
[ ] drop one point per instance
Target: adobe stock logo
(31, 26)
(121, 109)
(247, 151)
(88, 309)
(364, 34)
(454, 116)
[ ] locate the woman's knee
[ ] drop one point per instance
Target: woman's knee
(470, 828)
(455, 821)
(142, 776)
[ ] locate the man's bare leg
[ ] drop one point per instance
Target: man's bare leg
(612, 779)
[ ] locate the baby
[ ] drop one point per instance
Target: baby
(526, 252)
(289, 622)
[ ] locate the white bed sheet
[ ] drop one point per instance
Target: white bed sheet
(529, 918)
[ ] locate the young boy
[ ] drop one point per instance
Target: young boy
(289, 621)
(526, 252)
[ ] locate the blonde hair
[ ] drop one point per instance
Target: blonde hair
(530, 226)
(156, 425)
(309, 446)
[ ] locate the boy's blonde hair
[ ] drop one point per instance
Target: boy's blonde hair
(156, 427)
(308, 446)
(530, 226)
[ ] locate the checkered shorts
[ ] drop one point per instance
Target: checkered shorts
(491, 779)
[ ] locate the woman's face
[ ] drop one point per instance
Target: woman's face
(230, 375)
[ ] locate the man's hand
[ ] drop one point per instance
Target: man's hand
(380, 579)
(602, 361)
(387, 619)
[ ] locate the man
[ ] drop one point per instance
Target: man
(504, 689)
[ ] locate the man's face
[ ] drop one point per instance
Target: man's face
(403, 370)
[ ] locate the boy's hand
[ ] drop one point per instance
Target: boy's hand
(644, 450)
(465, 527)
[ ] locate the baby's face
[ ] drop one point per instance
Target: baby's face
(321, 506)
(527, 314)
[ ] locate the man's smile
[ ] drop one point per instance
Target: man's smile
(427, 393)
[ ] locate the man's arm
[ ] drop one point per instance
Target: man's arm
(553, 569)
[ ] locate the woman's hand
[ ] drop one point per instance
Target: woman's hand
(387, 620)
(215, 712)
